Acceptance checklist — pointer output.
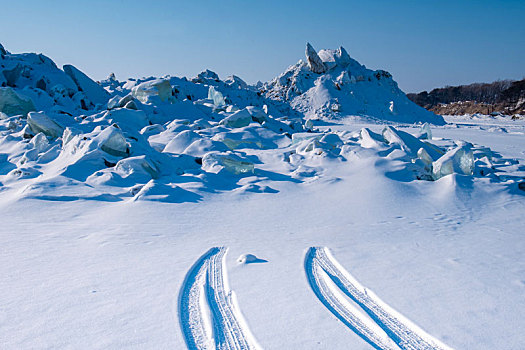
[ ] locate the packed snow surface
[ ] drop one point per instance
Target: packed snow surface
(169, 213)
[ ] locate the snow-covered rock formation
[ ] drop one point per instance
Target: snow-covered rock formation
(330, 84)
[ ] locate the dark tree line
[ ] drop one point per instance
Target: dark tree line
(498, 92)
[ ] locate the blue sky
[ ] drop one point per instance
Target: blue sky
(424, 44)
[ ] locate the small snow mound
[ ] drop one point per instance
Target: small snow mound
(249, 259)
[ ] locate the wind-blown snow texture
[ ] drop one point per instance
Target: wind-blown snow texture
(111, 191)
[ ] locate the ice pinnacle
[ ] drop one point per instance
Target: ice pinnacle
(314, 61)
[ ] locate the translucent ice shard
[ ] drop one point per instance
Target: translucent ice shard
(424, 156)
(237, 166)
(113, 102)
(214, 162)
(217, 97)
(11, 103)
(39, 122)
(408, 142)
(158, 87)
(459, 160)
(138, 166)
(112, 141)
(425, 132)
(314, 61)
(309, 124)
(238, 119)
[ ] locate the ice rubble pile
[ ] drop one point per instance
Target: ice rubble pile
(330, 84)
(33, 82)
(168, 139)
(422, 159)
(140, 137)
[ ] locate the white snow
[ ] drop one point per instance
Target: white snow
(116, 221)
(249, 259)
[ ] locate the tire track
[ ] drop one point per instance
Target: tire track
(405, 334)
(209, 316)
(351, 317)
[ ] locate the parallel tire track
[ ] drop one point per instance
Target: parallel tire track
(401, 331)
(205, 299)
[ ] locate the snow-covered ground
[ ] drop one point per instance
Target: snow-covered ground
(205, 213)
(447, 254)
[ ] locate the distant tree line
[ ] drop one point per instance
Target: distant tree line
(501, 91)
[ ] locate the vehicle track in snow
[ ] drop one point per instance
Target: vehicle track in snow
(208, 312)
(322, 270)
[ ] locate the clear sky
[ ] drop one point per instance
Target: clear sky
(423, 43)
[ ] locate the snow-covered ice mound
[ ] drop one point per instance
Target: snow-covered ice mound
(426, 216)
(34, 82)
(331, 84)
(64, 136)
(145, 138)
